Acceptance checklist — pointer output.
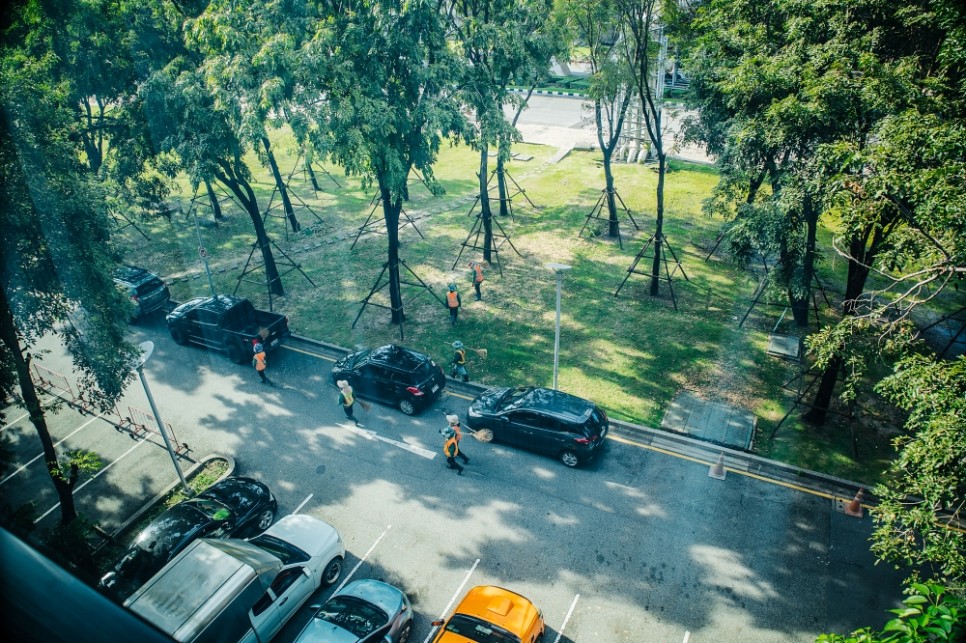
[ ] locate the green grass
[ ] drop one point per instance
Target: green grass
(632, 353)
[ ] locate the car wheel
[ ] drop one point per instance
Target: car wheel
(332, 571)
(406, 406)
(178, 336)
(234, 353)
(569, 458)
(406, 631)
(483, 435)
(265, 520)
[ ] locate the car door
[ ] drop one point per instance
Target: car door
(290, 589)
(537, 432)
(366, 381)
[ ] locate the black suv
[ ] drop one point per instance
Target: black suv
(148, 293)
(392, 375)
(540, 419)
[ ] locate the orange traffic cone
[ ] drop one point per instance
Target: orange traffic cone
(854, 508)
(717, 469)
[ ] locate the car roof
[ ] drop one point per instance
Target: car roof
(398, 357)
(499, 606)
(556, 403)
(220, 303)
(133, 275)
(384, 596)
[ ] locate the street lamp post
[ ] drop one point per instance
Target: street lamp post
(559, 269)
(146, 349)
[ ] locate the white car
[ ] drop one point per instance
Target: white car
(311, 551)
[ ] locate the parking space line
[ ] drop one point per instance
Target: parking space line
(299, 508)
(93, 478)
(299, 350)
(10, 424)
(458, 591)
(687, 636)
(566, 620)
(57, 444)
(362, 560)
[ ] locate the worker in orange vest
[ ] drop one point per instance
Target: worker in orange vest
(258, 361)
(478, 278)
(453, 302)
(451, 449)
(459, 362)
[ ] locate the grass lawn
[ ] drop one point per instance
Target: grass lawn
(631, 353)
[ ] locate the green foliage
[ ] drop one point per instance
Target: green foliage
(917, 519)
(931, 613)
(76, 463)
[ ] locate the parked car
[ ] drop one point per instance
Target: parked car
(392, 375)
(233, 590)
(540, 419)
(148, 293)
(233, 507)
(490, 614)
(226, 323)
(367, 610)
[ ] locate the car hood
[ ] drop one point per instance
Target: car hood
(238, 494)
(324, 632)
(385, 597)
(489, 399)
(311, 535)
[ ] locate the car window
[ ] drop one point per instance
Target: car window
(150, 286)
(285, 579)
(212, 508)
(357, 616)
(372, 371)
(478, 630)
(262, 604)
(534, 419)
(286, 552)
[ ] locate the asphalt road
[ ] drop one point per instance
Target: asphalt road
(639, 546)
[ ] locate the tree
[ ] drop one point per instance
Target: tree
(56, 258)
(500, 40)
(387, 76)
(595, 22)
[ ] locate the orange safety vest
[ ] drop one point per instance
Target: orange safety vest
(478, 278)
(451, 447)
(451, 299)
(260, 361)
(347, 396)
(460, 356)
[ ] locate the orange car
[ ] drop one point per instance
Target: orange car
(489, 614)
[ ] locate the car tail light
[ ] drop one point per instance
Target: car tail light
(414, 391)
(583, 440)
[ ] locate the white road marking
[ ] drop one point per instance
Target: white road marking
(567, 618)
(687, 636)
(458, 591)
(299, 508)
(84, 425)
(93, 478)
(362, 560)
(372, 435)
(10, 424)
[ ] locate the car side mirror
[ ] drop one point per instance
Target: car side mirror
(437, 623)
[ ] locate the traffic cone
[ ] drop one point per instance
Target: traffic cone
(717, 470)
(854, 508)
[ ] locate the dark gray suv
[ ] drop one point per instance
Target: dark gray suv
(392, 375)
(148, 293)
(540, 419)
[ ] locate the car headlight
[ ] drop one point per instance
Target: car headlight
(473, 413)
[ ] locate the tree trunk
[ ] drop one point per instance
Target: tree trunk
(213, 198)
(246, 196)
(614, 224)
(823, 396)
(485, 212)
(857, 275)
(659, 223)
(280, 186)
(307, 164)
(501, 184)
(390, 210)
(799, 300)
(63, 485)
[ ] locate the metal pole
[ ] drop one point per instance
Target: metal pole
(556, 337)
(167, 442)
(203, 252)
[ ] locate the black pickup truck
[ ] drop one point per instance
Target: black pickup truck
(228, 324)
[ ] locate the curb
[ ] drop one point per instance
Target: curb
(680, 444)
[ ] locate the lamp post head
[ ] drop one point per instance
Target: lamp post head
(558, 267)
(146, 349)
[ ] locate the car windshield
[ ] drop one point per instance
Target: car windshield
(286, 552)
(479, 630)
(212, 508)
(149, 286)
(353, 614)
(514, 397)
